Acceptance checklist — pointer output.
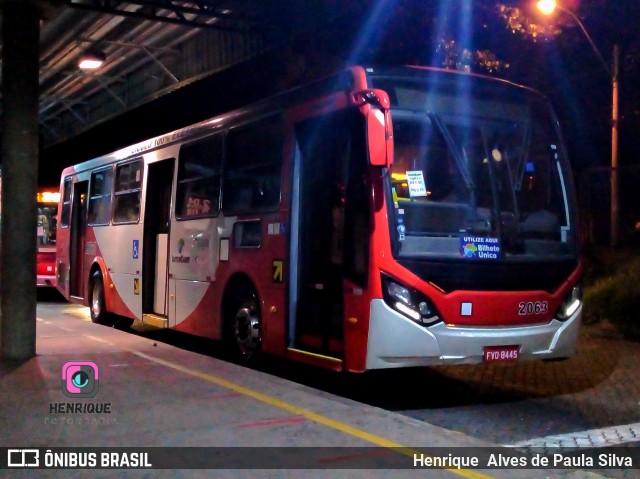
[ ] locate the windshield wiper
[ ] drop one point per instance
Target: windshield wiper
(458, 154)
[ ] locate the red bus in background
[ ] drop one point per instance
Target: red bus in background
(47, 211)
(46, 237)
(380, 218)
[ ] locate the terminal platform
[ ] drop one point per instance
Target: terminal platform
(154, 395)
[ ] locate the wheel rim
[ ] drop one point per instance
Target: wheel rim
(246, 329)
(96, 300)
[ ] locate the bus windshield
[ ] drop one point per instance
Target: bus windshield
(47, 224)
(479, 173)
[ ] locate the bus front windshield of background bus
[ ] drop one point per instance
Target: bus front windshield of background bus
(477, 179)
(47, 224)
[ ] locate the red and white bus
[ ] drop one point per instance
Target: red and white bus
(308, 226)
(47, 211)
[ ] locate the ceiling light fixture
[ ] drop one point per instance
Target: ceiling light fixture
(91, 60)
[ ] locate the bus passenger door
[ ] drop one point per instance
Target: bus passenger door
(317, 276)
(156, 240)
(77, 279)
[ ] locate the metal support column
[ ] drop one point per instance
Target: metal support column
(615, 119)
(20, 57)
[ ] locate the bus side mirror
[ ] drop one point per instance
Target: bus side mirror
(374, 105)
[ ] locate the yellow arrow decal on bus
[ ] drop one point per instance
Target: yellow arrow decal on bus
(277, 271)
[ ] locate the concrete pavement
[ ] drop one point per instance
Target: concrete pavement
(163, 396)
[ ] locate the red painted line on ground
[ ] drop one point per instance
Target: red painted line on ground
(275, 422)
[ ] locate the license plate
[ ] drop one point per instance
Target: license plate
(494, 354)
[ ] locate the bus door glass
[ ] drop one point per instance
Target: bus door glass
(156, 237)
(319, 259)
(194, 240)
(78, 230)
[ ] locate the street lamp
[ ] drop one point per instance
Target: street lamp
(547, 7)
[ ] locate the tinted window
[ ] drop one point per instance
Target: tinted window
(253, 167)
(100, 197)
(198, 193)
(127, 192)
(65, 216)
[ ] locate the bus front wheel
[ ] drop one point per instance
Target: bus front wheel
(97, 303)
(244, 328)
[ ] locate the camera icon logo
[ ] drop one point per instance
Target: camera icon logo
(80, 379)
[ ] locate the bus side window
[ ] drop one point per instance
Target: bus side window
(100, 197)
(239, 195)
(199, 168)
(65, 216)
(253, 169)
(127, 192)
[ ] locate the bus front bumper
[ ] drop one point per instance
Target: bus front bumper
(395, 341)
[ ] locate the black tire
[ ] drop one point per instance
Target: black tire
(97, 304)
(243, 327)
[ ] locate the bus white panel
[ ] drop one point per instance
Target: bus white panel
(396, 341)
(188, 295)
(194, 250)
(160, 287)
(121, 247)
(124, 284)
(171, 303)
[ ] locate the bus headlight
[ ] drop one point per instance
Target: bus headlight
(570, 304)
(399, 293)
(409, 302)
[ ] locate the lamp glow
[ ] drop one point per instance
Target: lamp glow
(547, 7)
(90, 64)
(91, 60)
(48, 196)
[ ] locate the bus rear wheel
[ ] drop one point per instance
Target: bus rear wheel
(244, 328)
(97, 304)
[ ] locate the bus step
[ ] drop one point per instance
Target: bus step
(315, 359)
(155, 320)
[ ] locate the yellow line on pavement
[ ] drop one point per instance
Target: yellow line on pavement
(312, 416)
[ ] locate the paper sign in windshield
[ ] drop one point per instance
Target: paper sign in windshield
(480, 247)
(415, 180)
